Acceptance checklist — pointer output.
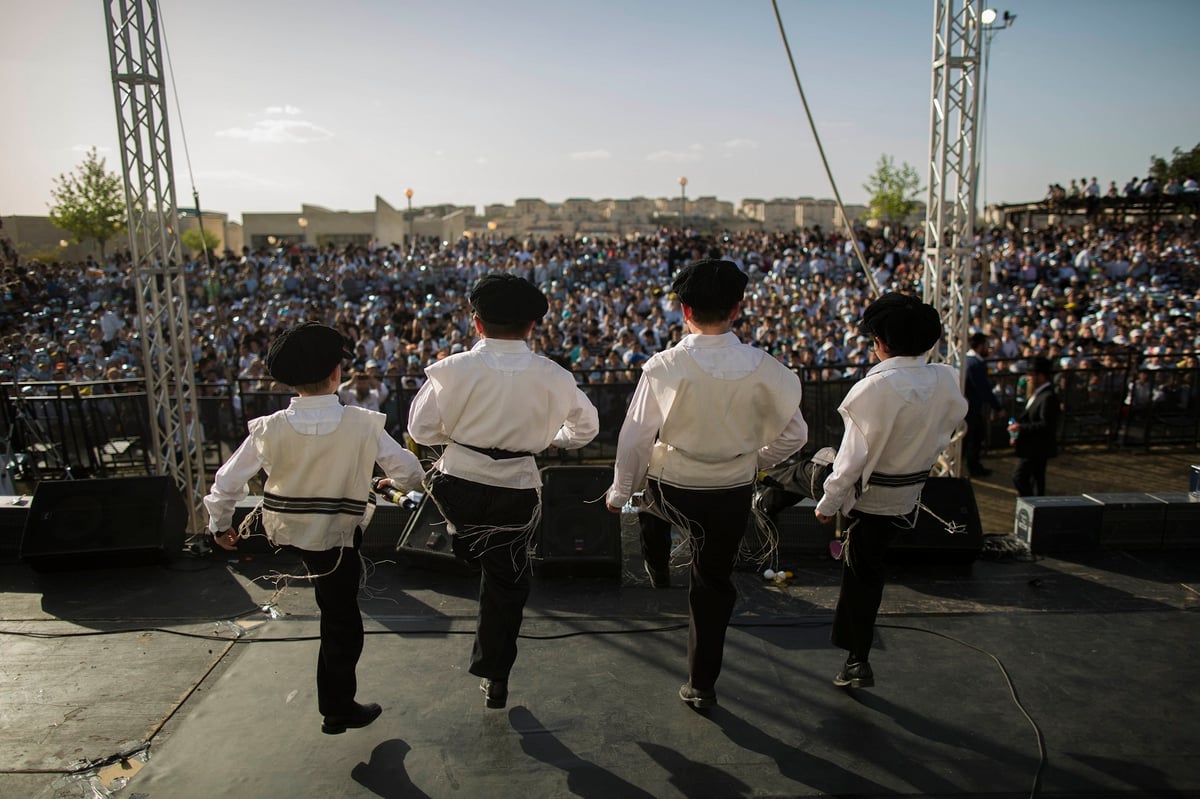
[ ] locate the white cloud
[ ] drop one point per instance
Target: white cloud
(692, 153)
(83, 148)
(590, 155)
(741, 144)
(290, 110)
(481, 161)
(278, 131)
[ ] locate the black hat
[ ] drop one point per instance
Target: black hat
(503, 298)
(1041, 365)
(907, 325)
(306, 354)
(710, 284)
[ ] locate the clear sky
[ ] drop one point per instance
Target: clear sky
(475, 102)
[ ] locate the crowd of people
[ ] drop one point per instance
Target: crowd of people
(1082, 297)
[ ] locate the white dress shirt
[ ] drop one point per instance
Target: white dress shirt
(721, 358)
(499, 395)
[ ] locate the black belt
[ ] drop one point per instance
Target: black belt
(893, 480)
(495, 453)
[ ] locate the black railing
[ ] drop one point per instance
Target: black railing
(102, 429)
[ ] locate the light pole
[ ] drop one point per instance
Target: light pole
(303, 223)
(682, 200)
(409, 193)
(988, 18)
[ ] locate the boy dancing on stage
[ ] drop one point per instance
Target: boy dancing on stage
(706, 415)
(493, 407)
(318, 456)
(898, 418)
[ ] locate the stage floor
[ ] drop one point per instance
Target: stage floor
(216, 675)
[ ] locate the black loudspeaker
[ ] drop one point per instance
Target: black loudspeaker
(1130, 521)
(1057, 524)
(953, 500)
(385, 532)
(14, 510)
(578, 533)
(425, 542)
(123, 521)
(1181, 520)
(799, 535)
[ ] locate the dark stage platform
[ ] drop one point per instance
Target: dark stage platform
(1074, 677)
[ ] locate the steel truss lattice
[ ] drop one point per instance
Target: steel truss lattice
(139, 92)
(949, 257)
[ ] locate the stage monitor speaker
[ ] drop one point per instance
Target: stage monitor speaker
(426, 543)
(95, 523)
(578, 534)
(1130, 521)
(385, 532)
(952, 499)
(799, 535)
(1181, 520)
(14, 510)
(1051, 525)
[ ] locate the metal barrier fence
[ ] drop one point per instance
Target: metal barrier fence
(101, 429)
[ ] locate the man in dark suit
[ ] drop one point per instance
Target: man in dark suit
(980, 398)
(1036, 431)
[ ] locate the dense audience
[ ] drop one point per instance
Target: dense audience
(1081, 296)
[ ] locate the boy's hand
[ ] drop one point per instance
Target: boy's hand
(226, 540)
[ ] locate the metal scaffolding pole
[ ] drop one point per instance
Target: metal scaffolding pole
(139, 92)
(948, 263)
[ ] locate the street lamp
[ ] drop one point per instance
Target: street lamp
(682, 200)
(409, 193)
(303, 223)
(989, 29)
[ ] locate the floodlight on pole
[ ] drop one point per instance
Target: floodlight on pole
(408, 193)
(989, 28)
(682, 200)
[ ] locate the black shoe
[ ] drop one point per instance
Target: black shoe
(697, 698)
(659, 578)
(360, 716)
(855, 675)
(495, 692)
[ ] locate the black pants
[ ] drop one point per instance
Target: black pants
(718, 521)
(973, 439)
(341, 623)
(476, 510)
(1030, 477)
(862, 582)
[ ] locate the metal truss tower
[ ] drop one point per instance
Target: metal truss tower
(139, 91)
(949, 256)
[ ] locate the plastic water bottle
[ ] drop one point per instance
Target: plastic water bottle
(1012, 434)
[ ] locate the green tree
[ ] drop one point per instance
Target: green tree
(89, 203)
(1182, 165)
(194, 241)
(894, 192)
